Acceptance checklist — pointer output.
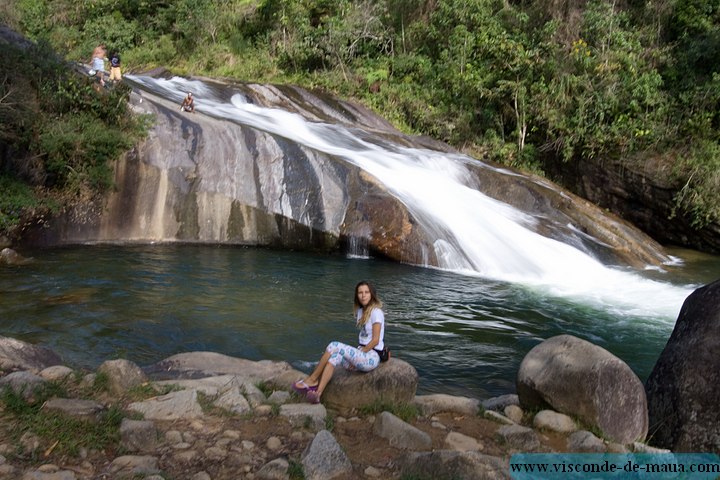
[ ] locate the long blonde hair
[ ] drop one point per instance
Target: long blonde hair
(372, 304)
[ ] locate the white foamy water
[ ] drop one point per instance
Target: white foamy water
(475, 234)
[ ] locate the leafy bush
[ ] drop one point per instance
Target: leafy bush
(698, 196)
(16, 199)
(78, 149)
(58, 131)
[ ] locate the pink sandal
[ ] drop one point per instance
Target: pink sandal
(313, 396)
(303, 388)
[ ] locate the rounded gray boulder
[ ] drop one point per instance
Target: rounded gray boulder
(580, 379)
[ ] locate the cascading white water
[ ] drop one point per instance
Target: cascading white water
(475, 234)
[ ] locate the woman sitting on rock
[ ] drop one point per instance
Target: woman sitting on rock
(371, 321)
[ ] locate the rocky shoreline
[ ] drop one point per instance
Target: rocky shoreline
(204, 415)
(218, 417)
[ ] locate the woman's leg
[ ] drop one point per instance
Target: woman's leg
(351, 358)
(356, 359)
(314, 378)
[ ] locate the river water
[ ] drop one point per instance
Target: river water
(466, 335)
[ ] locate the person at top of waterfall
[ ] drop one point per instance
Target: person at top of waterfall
(188, 104)
(370, 319)
(98, 62)
(115, 73)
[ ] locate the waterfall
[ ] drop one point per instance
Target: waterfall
(474, 233)
(358, 247)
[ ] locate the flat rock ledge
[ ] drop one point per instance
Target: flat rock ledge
(202, 415)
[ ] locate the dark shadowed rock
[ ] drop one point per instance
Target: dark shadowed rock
(580, 379)
(10, 36)
(639, 190)
(499, 403)
(394, 381)
(683, 389)
(19, 355)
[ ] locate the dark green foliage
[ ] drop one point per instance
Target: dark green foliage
(295, 470)
(17, 197)
(77, 150)
(517, 81)
(60, 133)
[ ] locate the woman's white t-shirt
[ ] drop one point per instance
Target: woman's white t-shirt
(365, 337)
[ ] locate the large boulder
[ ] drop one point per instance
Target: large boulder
(394, 381)
(683, 389)
(577, 378)
(18, 355)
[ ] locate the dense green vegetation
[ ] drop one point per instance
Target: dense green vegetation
(60, 134)
(522, 82)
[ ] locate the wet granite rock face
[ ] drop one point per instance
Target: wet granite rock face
(197, 178)
(684, 386)
(583, 380)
